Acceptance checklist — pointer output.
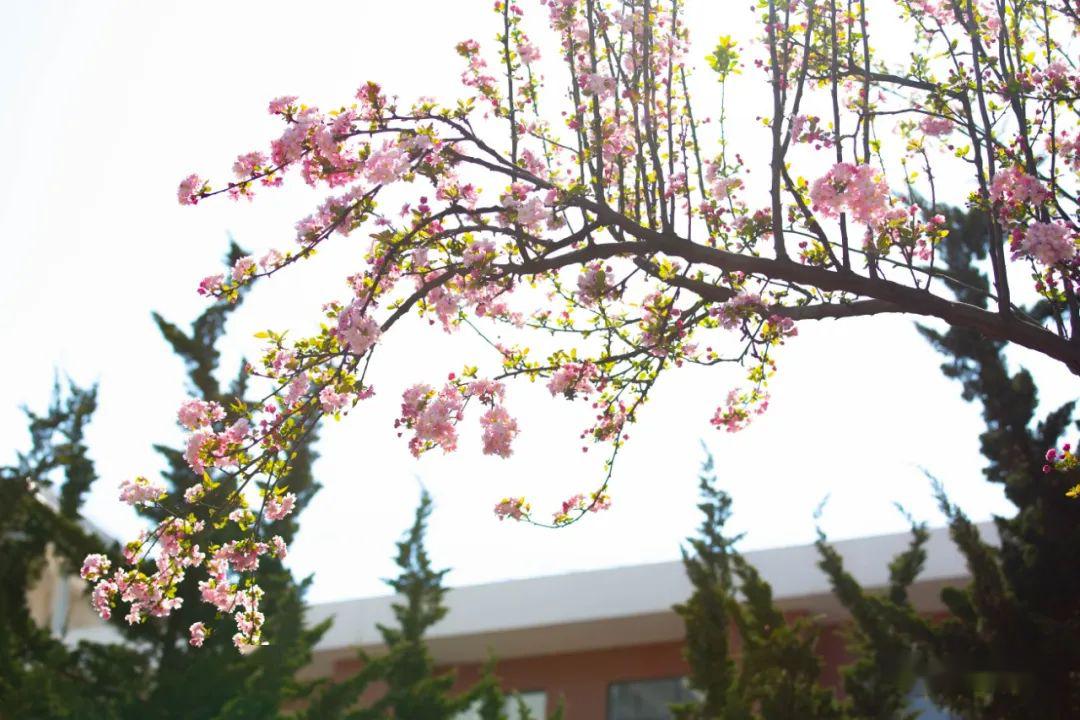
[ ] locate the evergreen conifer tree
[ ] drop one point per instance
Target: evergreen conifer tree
(408, 686)
(40, 677)
(773, 672)
(1008, 647)
(40, 496)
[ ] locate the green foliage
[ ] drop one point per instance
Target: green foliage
(1007, 647)
(403, 678)
(885, 668)
(40, 677)
(776, 673)
(40, 532)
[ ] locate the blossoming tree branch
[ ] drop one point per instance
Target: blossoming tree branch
(591, 209)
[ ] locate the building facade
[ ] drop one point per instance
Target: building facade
(606, 643)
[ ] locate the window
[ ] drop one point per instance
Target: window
(646, 699)
(535, 701)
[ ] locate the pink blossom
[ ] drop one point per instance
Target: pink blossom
(593, 283)
(102, 598)
(211, 284)
(278, 508)
(198, 633)
(140, 491)
(478, 252)
(528, 53)
(515, 508)
(242, 555)
(190, 188)
(857, 189)
(195, 493)
(433, 417)
(249, 164)
(935, 126)
(281, 550)
(573, 378)
(331, 401)
(386, 165)
(281, 104)
(358, 331)
(741, 307)
(195, 414)
(271, 260)
(532, 212)
(1013, 185)
(1049, 243)
(244, 267)
(499, 431)
(297, 389)
(95, 567)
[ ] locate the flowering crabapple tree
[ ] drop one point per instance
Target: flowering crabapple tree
(594, 211)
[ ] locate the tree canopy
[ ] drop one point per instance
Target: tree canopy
(598, 232)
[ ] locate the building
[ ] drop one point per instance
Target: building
(607, 641)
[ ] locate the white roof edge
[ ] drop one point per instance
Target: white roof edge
(604, 596)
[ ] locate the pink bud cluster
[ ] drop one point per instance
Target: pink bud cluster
(1062, 460)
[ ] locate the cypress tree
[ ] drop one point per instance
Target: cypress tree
(40, 496)
(404, 677)
(1008, 647)
(42, 678)
(774, 671)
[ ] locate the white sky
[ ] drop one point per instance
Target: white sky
(107, 105)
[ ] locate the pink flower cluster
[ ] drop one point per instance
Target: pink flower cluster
(198, 632)
(191, 188)
(194, 414)
(525, 207)
(499, 431)
(333, 401)
(227, 597)
(148, 595)
(528, 53)
(573, 378)
(358, 331)
(278, 508)
(594, 283)
(1049, 243)
(739, 410)
(743, 306)
(934, 126)
(386, 165)
(1012, 186)
(859, 190)
(141, 491)
(596, 502)
(478, 253)
(808, 129)
(206, 448)
(433, 417)
(514, 508)
(95, 567)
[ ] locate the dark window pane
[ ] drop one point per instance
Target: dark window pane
(646, 699)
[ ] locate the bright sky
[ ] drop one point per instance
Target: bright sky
(107, 105)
